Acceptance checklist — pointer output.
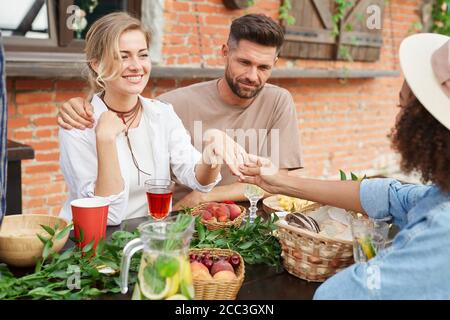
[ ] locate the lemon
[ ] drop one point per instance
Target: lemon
(136, 293)
(152, 285)
(187, 289)
(185, 271)
(367, 247)
(174, 285)
(177, 297)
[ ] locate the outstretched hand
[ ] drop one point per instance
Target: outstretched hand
(261, 172)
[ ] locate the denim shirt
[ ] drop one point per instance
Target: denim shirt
(417, 264)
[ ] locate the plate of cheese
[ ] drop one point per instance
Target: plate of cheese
(281, 202)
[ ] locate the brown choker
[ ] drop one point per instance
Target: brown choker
(128, 118)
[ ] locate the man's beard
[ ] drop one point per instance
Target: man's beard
(243, 94)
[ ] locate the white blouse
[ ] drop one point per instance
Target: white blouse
(165, 146)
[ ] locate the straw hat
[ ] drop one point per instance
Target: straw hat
(425, 62)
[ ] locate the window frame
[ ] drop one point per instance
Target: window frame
(20, 43)
(60, 39)
(66, 39)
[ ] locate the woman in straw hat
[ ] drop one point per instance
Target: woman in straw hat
(134, 138)
(417, 264)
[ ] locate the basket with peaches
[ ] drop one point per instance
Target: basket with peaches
(220, 215)
(218, 274)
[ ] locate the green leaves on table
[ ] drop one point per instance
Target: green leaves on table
(254, 241)
(55, 235)
(55, 273)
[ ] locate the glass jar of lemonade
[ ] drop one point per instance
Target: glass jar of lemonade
(164, 272)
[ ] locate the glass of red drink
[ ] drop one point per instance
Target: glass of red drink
(159, 197)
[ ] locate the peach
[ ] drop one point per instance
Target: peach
(211, 206)
(222, 210)
(206, 215)
(201, 275)
(221, 265)
(225, 275)
(222, 218)
(200, 271)
(235, 211)
(196, 266)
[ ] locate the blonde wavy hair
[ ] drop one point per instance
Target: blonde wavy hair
(102, 47)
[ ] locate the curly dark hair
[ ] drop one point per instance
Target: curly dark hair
(424, 144)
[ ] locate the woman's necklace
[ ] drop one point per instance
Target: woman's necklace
(128, 118)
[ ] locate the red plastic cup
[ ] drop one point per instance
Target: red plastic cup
(91, 216)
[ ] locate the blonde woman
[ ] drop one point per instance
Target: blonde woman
(134, 138)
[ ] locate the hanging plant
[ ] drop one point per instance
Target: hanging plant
(341, 8)
(441, 17)
(284, 13)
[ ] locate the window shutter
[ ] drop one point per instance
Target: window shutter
(356, 40)
(311, 35)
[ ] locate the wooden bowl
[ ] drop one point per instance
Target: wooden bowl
(19, 245)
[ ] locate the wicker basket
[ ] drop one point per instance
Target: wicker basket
(219, 289)
(311, 256)
(215, 225)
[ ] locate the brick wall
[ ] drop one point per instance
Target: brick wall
(344, 124)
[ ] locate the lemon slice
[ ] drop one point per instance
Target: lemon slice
(187, 289)
(367, 247)
(185, 271)
(152, 285)
(177, 297)
(174, 285)
(136, 293)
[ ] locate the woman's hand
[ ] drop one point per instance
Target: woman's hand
(220, 148)
(263, 173)
(109, 126)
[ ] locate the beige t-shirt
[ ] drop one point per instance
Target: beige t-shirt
(268, 127)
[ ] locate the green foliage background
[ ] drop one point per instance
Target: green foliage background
(441, 17)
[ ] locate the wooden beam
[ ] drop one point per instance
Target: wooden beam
(27, 21)
(63, 66)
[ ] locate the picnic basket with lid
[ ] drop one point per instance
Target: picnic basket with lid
(216, 289)
(312, 256)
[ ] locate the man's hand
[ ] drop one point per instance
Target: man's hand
(190, 200)
(220, 148)
(76, 113)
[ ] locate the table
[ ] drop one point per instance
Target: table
(261, 281)
(16, 153)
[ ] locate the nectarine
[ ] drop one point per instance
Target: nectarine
(221, 265)
(225, 275)
(196, 266)
(235, 211)
(206, 215)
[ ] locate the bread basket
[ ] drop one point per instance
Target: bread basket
(312, 256)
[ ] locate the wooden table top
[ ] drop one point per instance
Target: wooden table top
(18, 151)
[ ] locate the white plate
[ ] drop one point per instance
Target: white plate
(281, 214)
